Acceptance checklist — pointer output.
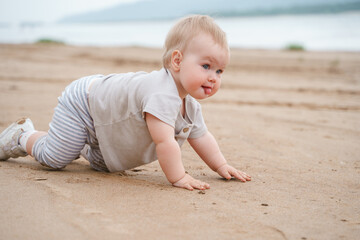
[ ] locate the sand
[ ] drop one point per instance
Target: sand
(289, 119)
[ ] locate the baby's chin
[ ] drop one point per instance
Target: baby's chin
(200, 96)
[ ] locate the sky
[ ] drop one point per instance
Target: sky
(15, 11)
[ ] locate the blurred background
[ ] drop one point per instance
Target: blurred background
(318, 25)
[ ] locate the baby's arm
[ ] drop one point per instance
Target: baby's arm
(208, 149)
(169, 155)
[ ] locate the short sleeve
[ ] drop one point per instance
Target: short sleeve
(165, 107)
(199, 126)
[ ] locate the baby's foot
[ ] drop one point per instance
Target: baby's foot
(9, 139)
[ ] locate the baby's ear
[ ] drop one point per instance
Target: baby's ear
(176, 58)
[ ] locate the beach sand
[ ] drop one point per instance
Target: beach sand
(289, 119)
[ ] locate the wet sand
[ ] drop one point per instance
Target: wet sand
(289, 119)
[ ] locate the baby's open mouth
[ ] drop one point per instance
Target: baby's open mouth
(207, 90)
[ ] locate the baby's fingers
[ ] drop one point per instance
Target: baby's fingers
(188, 186)
(247, 177)
(185, 185)
(190, 183)
(224, 173)
(200, 185)
(241, 176)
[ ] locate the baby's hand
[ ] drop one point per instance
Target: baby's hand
(190, 183)
(227, 171)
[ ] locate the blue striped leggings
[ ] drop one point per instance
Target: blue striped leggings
(71, 131)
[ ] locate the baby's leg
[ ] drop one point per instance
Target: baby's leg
(32, 139)
(63, 143)
(95, 158)
(68, 131)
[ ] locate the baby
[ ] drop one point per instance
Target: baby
(121, 121)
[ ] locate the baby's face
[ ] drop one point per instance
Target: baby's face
(203, 63)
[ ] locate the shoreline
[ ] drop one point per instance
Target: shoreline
(57, 42)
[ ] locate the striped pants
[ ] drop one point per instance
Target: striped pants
(71, 131)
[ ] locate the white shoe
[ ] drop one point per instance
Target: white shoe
(9, 145)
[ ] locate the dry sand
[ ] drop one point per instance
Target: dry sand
(290, 119)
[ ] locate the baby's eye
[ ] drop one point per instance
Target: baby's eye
(220, 71)
(206, 66)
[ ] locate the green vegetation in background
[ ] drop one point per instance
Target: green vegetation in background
(295, 47)
(48, 40)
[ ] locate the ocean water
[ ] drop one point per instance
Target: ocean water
(334, 32)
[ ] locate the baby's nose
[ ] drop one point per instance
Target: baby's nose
(212, 78)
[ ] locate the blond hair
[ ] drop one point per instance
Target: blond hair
(186, 29)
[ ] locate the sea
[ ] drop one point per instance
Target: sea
(317, 32)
